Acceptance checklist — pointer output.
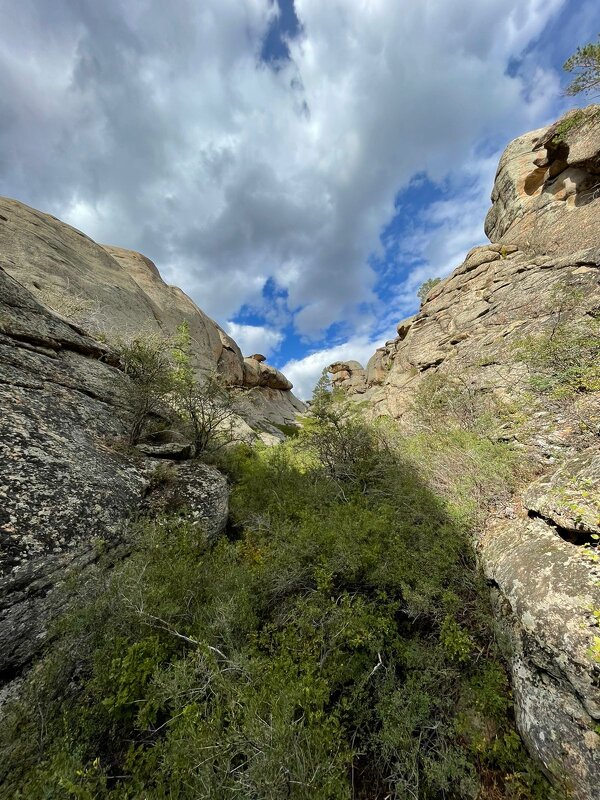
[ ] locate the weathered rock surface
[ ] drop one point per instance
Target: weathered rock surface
(272, 407)
(472, 322)
(174, 451)
(545, 590)
(545, 230)
(547, 186)
(569, 498)
(256, 373)
(195, 491)
(117, 293)
(64, 492)
(349, 375)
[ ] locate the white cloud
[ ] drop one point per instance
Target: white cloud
(445, 231)
(305, 372)
(254, 338)
(155, 126)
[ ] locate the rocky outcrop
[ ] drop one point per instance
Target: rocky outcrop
(272, 407)
(112, 292)
(66, 493)
(194, 491)
(569, 497)
(473, 320)
(547, 185)
(544, 590)
(540, 554)
(257, 373)
(348, 375)
(546, 587)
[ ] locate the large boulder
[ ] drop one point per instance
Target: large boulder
(348, 375)
(107, 290)
(257, 373)
(194, 491)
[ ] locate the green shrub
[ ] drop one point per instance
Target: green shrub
(566, 362)
(146, 379)
(570, 123)
(426, 287)
(207, 408)
(290, 431)
(336, 647)
(158, 378)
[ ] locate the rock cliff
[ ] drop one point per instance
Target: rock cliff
(67, 492)
(110, 291)
(544, 227)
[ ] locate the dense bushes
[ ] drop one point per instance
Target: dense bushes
(339, 645)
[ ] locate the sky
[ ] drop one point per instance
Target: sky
(298, 167)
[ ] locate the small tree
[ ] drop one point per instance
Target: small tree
(426, 287)
(585, 64)
(147, 370)
(207, 409)
(347, 447)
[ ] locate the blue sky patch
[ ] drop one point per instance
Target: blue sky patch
(285, 26)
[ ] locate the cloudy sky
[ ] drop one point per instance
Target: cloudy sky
(298, 167)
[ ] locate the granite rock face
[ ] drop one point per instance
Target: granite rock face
(65, 492)
(569, 497)
(539, 554)
(547, 187)
(473, 320)
(544, 590)
(257, 373)
(195, 491)
(114, 292)
(349, 375)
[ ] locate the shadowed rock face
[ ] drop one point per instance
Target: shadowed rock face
(64, 492)
(115, 292)
(545, 230)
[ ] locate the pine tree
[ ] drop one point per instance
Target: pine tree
(585, 64)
